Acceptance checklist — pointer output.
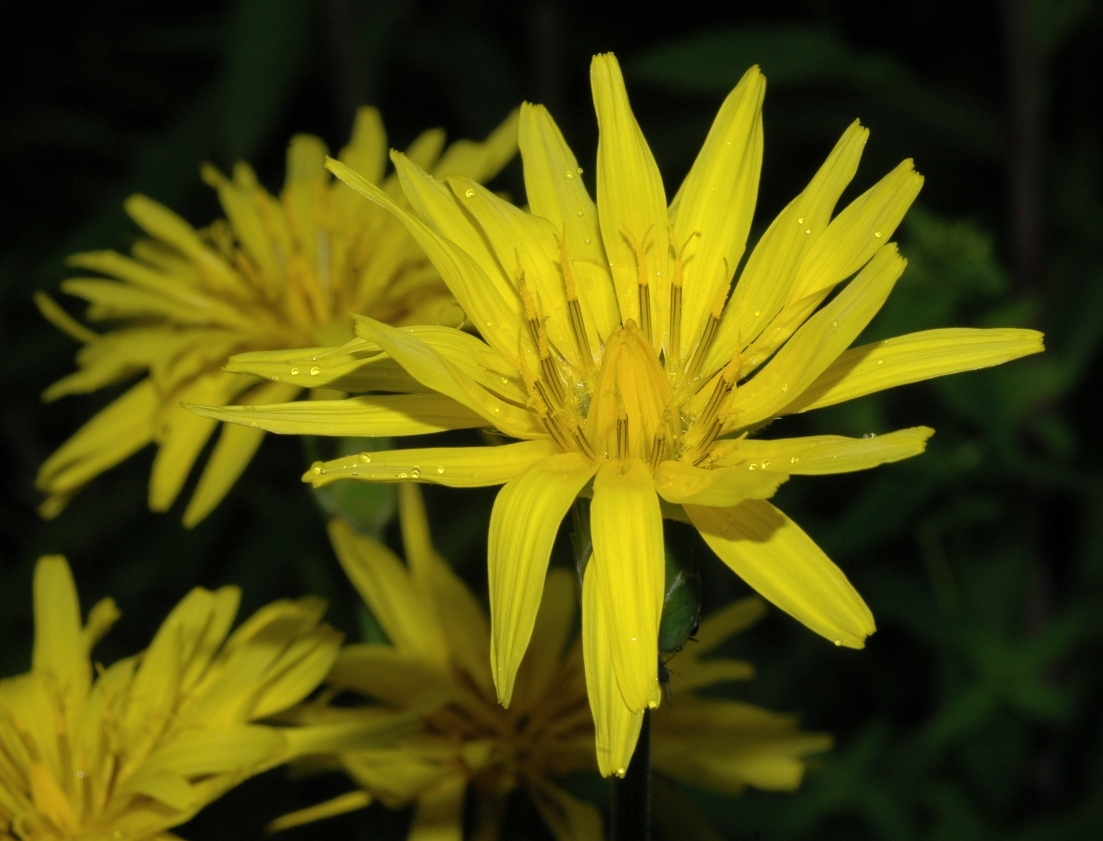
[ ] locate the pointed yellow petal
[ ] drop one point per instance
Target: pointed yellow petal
(766, 281)
(726, 622)
(438, 815)
(678, 482)
(232, 454)
(121, 429)
(494, 309)
(455, 467)
(51, 310)
(385, 586)
(914, 357)
(818, 455)
(101, 617)
(481, 161)
(377, 416)
(712, 212)
(567, 205)
(379, 671)
(631, 201)
(367, 148)
(549, 636)
(627, 529)
(817, 344)
(523, 525)
(339, 805)
(616, 727)
(773, 555)
(356, 366)
(58, 642)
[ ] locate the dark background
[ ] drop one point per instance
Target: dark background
(975, 711)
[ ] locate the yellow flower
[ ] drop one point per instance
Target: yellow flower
(281, 273)
(155, 737)
(436, 661)
(614, 348)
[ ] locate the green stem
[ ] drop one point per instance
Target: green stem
(631, 808)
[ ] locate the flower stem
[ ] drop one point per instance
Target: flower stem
(631, 809)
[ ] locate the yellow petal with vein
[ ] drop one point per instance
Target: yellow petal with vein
(775, 557)
(627, 529)
(616, 727)
(712, 211)
(58, 642)
(455, 467)
(384, 584)
(523, 525)
(631, 203)
(377, 416)
(678, 482)
(818, 455)
(232, 454)
(481, 161)
(914, 357)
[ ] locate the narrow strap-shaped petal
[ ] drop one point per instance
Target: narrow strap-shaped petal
(549, 636)
(818, 455)
(380, 671)
(52, 311)
(492, 308)
(712, 212)
(481, 160)
(765, 283)
(616, 727)
(429, 366)
(678, 482)
(556, 191)
(454, 467)
(914, 357)
(339, 805)
(381, 416)
(58, 644)
(818, 343)
(631, 204)
(627, 529)
(438, 815)
(384, 584)
(775, 557)
(523, 525)
(235, 449)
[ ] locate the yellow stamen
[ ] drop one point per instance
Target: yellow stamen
(574, 308)
(709, 334)
(658, 450)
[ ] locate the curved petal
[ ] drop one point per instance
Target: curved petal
(616, 727)
(438, 815)
(914, 357)
(523, 525)
(818, 455)
(627, 529)
(678, 482)
(58, 646)
(711, 214)
(454, 467)
(631, 204)
(773, 555)
(481, 160)
(378, 416)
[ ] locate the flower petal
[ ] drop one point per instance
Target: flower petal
(818, 455)
(711, 214)
(817, 344)
(627, 529)
(232, 454)
(384, 584)
(568, 818)
(523, 525)
(483, 160)
(549, 636)
(911, 358)
(58, 644)
(381, 416)
(454, 467)
(340, 805)
(773, 555)
(631, 203)
(616, 727)
(678, 482)
(765, 283)
(438, 815)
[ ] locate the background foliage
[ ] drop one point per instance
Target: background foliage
(975, 711)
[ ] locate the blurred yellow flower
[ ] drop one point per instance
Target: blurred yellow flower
(282, 272)
(615, 348)
(437, 660)
(156, 737)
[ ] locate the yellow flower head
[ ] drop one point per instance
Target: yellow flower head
(616, 349)
(154, 737)
(278, 272)
(436, 662)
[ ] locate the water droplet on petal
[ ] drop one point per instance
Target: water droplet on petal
(838, 642)
(415, 473)
(880, 362)
(315, 371)
(470, 193)
(765, 463)
(877, 234)
(579, 214)
(579, 170)
(294, 372)
(495, 409)
(835, 323)
(752, 466)
(569, 174)
(785, 387)
(317, 468)
(365, 458)
(758, 312)
(402, 476)
(440, 470)
(794, 459)
(621, 772)
(808, 230)
(800, 221)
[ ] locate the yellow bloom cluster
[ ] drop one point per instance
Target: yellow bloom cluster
(155, 737)
(436, 662)
(617, 351)
(278, 272)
